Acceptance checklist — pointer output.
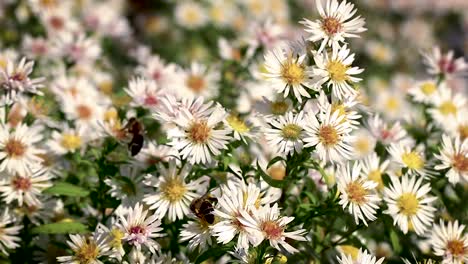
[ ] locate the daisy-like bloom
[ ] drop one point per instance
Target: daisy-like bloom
(438, 63)
(424, 91)
(336, 71)
(173, 195)
(190, 15)
(25, 188)
(337, 24)
(18, 153)
(288, 72)
(235, 199)
(242, 129)
(129, 187)
(357, 193)
(387, 134)
(363, 144)
(450, 242)
(156, 69)
(199, 138)
(144, 93)
(86, 249)
(8, 233)
(373, 168)
(454, 156)
(408, 158)
(363, 257)
(329, 134)
(447, 105)
(276, 107)
(267, 223)
(76, 47)
(140, 229)
(286, 133)
(198, 235)
(409, 203)
(114, 237)
(344, 107)
(67, 141)
(15, 79)
(199, 80)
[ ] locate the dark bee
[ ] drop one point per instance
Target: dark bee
(203, 208)
(135, 129)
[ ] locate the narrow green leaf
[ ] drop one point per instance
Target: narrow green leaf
(61, 228)
(395, 242)
(67, 189)
(268, 179)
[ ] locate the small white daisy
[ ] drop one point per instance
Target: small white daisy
(152, 154)
(128, 186)
(330, 135)
(409, 204)
(140, 229)
(198, 235)
(424, 91)
(173, 195)
(199, 80)
(357, 193)
(408, 158)
(18, 151)
(450, 242)
(285, 133)
(337, 23)
(154, 68)
(190, 14)
(288, 72)
(364, 143)
(86, 249)
(8, 233)
(454, 156)
(387, 134)
(447, 105)
(144, 93)
(363, 257)
(114, 237)
(68, 140)
(438, 63)
(336, 71)
(242, 129)
(373, 169)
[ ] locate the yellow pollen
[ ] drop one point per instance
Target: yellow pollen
(463, 131)
(362, 145)
(196, 83)
(87, 253)
(413, 160)
(428, 88)
(392, 104)
(448, 108)
(408, 204)
(292, 72)
(456, 248)
(337, 71)
(356, 192)
(237, 124)
(291, 131)
(111, 115)
(328, 135)
(376, 176)
(117, 236)
(460, 162)
(340, 108)
(331, 26)
(199, 132)
(70, 141)
(279, 107)
(15, 148)
(173, 190)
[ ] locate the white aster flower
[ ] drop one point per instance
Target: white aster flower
(199, 138)
(408, 158)
(424, 91)
(336, 71)
(8, 233)
(144, 93)
(199, 80)
(190, 15)
(363, 144)
(128, 186)
(86, 249)
(330, 135)
(454, 156)
(173, 195)
(198, 235)
(409, 204)
(154, 68)
(288, 72)
(18, 153)
(336, 23)
(387, 134)
(140, 229)
(266, 223)
(438, 63)
(450, 242)
(286, 133)
(357, 193)
(152, 154)
(68, 140)
(373, 169)
(363, 257)
(447, 105)
(242, 129)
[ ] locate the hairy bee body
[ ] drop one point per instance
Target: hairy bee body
(203, 208)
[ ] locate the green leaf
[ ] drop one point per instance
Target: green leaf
(67, 189)
(395, 242)
(213, 253)
(268, 179)
(61, 228)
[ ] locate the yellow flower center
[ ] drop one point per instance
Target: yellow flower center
(392, 104)
(463, 131)
(15, 148)
(291, 131)
(87, 253)
(111, 115)
(199, 132)
(277, 172)
(356, 192)
(428, 88)
(328, 135)
(448, 108)
(272, 230)
(237, 124)
(460, 162)
(376, 176)
(413, 160)
(408, 204)
(292, 72)
(350, 250)
(174, 190)
(70, 141)
(331, 25)
(362, 145)
(106, 87)
(456, 247)
(191, 16)
(337, 71)
(279, 107)
(196, 83)
(117, 236)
